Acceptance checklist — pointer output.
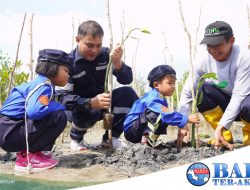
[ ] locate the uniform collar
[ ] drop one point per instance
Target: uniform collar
(157, 94)
(44, 79)
(77, 55)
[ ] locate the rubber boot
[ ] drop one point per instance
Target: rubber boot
(213, 117)
(246, 133)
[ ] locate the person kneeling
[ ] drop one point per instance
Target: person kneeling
(150, 116)
(30, 118)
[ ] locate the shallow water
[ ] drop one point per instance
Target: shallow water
(21, 183)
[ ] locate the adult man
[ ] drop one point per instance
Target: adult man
(222, 104)
(84, 94)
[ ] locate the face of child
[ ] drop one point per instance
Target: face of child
(166, 86)
(89, 46)
(61, 79)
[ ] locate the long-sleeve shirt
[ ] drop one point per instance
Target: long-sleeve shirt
(37, 95)
(87, 79)
(235, 70)
(155, 102)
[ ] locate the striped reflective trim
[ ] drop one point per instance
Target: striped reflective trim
(79, 75)
(68, 87)
(101, 67)
(119, 110)
(103, 63)
(79, 128)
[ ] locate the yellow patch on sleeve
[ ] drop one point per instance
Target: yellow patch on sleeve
(44, 100)
(164, 109)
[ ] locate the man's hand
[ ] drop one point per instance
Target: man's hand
(116, 56)
(219, 139)
(183, 135)
(101, 101)
(194, 118)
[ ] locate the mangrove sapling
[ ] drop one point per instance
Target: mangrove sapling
(197, 100)
(107, 116)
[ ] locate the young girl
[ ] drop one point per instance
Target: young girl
(30, 118)
(149, 116)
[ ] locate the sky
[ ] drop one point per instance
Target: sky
(52, 26)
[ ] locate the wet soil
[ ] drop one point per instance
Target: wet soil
(97, 165)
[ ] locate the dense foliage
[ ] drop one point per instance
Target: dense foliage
(6, 68)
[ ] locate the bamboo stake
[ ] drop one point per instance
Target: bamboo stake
(109, 73)
(171, 99)
(31, 49)
(196, 33)
(248, 17)
(191, 70)
(73, 33)
(134, 82)
(123, 24)
(17, 52)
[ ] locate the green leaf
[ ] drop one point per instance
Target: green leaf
(209, 75)
(222, 84)
(199, 99)
(203, 136)
(145, 31)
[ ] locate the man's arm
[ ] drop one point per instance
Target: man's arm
(65, 96)
(124, 75)
(240, 91)
(122, 72)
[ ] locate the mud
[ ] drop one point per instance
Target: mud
(142, 157)
(102, 165)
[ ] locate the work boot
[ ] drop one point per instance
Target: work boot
(246, 133)
(213, 117)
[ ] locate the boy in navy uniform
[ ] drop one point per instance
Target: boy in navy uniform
(30, 118)
(149, 116)
(84, 95)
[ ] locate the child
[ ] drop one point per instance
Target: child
(149, 115)
(30, 118)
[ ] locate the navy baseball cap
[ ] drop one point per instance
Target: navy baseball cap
(216, 32)
(158, 72)
(55, 56)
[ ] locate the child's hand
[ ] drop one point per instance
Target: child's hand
(194, 119)
(183, 136)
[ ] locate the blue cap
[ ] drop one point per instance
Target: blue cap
(55, 56)
(158, 72)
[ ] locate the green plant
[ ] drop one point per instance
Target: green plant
(6, 68)
(198, 100)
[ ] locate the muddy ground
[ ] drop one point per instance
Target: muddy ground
(102, 165)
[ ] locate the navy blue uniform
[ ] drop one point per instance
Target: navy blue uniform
(87, 81)
(45, 117)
